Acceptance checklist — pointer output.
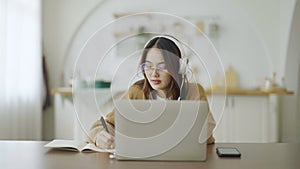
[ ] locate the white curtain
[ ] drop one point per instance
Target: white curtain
(20, 70)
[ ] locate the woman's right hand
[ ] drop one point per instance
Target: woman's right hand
(105, 140)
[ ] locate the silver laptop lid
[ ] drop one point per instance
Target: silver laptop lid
(161, 130)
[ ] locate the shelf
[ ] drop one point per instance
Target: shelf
(62, 91)
(249, 92)
(102, 95)
(68, 91)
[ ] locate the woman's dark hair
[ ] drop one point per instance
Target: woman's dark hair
(172, 55)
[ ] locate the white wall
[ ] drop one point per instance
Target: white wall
(249, 32)
(254, 33)
(290, 113)
(62, 20)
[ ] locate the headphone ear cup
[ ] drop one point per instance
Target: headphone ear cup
(183, 65)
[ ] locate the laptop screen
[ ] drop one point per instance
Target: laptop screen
(161, 130)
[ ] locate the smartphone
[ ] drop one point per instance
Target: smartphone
(228, 152)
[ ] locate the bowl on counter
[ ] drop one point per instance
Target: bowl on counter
(102, 84)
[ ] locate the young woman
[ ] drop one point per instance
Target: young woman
(164, 69)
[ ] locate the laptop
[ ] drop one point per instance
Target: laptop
(161, 130)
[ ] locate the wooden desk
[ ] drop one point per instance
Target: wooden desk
(32, 155)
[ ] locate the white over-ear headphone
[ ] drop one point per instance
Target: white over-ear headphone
(183, 61)
(183, 65)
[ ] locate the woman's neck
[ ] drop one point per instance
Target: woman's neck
(162, 94)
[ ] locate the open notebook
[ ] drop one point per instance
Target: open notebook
(75, 145)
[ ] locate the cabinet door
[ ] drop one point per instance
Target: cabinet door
(247, 119)
(63, 117)
(249, 116)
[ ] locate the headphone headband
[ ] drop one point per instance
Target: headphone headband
(171, 38)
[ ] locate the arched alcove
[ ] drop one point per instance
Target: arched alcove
(241, 40)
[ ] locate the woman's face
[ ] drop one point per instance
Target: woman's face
(156, 72)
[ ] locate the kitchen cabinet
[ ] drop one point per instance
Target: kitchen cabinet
(248, 119)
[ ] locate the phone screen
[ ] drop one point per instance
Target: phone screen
(228, 152)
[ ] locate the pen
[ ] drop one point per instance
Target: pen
(104, 124)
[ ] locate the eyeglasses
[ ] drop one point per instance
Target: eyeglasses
(149, 68)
